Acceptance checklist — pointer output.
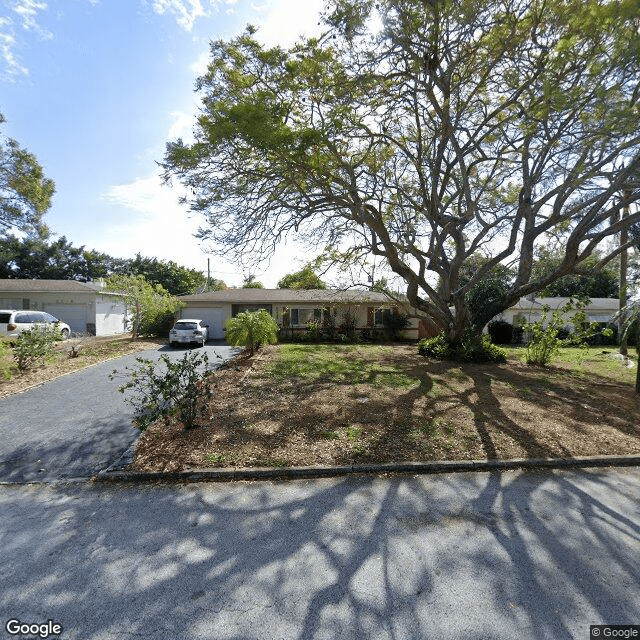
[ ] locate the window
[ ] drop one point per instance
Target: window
(302, 317)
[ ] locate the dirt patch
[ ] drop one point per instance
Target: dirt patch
(89, 351)
(391, 405)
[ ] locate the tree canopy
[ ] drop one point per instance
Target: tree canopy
(25, 193)
(306, 278)
(457, 127)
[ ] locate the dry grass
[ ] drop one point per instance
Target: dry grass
(89, 350)
(299, 405)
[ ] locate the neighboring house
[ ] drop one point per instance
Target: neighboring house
(83, 306)
(293, 309)
(599, 310)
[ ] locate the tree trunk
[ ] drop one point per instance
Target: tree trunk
(624, 238)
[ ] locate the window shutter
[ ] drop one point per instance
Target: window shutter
(370, 316)
(286, 318)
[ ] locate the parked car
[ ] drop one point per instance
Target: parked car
(14, 322)
(188, 331)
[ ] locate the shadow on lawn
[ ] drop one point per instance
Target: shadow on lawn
(464, 557)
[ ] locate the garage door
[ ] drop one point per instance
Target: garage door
(74, 315)
(212, 317)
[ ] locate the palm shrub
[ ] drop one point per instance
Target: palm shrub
(251, 329)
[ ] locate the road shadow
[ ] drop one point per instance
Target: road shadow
(460, 557)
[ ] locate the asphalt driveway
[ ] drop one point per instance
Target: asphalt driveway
(76, 425)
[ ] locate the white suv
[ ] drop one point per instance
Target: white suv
(13, 323)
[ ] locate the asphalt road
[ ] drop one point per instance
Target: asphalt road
(475, 556)
(76, 425)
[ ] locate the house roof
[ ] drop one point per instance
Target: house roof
(18, 286)
(288, 296)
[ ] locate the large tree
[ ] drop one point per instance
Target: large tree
(457, 127)
(25, 193)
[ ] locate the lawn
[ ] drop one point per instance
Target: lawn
(68, 356)
(305, 405)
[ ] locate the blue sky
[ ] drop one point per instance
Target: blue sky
(95, 89)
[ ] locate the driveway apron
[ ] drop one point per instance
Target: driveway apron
(76, 425)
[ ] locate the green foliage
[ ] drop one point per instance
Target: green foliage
(472, 348)
(501, 332)
(25, 193)
(34, 345)
(251, 329)
(250, 282)
(547, 335)
(306, 278)
(594, 283)
(5, 369)
(394, 323)
(177, 280)
(168, 387)
(151, 307)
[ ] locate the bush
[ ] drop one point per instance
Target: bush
(501, 332)
(472, 348)
(547, 335)
(34, 345)
(394, 323)
(5, 369)
(168, 387)
(251, 329)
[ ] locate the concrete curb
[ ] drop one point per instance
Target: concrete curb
(407, 468)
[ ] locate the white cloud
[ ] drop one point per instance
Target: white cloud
(283, 21)
(186, 11)
(182, 127)
(28, 10)
(11, 61)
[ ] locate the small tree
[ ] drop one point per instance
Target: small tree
(251, 329)
(152, 307)
(306, 278)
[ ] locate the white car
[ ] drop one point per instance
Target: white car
(188, 331)
(13, 322)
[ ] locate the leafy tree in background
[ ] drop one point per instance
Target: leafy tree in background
(25, 193)
(250, 282)
(591, 282)
(458, 127)
(175, 279)
(151, 307)
(306, 278)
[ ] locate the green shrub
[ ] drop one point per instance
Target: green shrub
(472, 348)
(251, 329)
(5, 369)
(547, 335)
(501, 332)
(394, 323)
(34, 345)
(168, 387)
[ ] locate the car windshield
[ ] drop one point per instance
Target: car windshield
(185, 326)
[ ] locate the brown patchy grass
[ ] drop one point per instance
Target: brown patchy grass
(90, 351)
(372, 404)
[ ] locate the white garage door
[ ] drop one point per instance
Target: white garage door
(212, 317)
(74, 315)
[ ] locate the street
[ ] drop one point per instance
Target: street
(463, 557)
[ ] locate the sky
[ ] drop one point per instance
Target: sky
(96, 88)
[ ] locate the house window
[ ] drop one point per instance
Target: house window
(302, 317)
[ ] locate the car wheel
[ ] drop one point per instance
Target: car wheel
(65, 334)
(172, 345)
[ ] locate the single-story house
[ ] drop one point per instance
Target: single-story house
(600, 310)
(294, 309)
(83, 306)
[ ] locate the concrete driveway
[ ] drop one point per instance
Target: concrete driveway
(473, 556)
(76, 425)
